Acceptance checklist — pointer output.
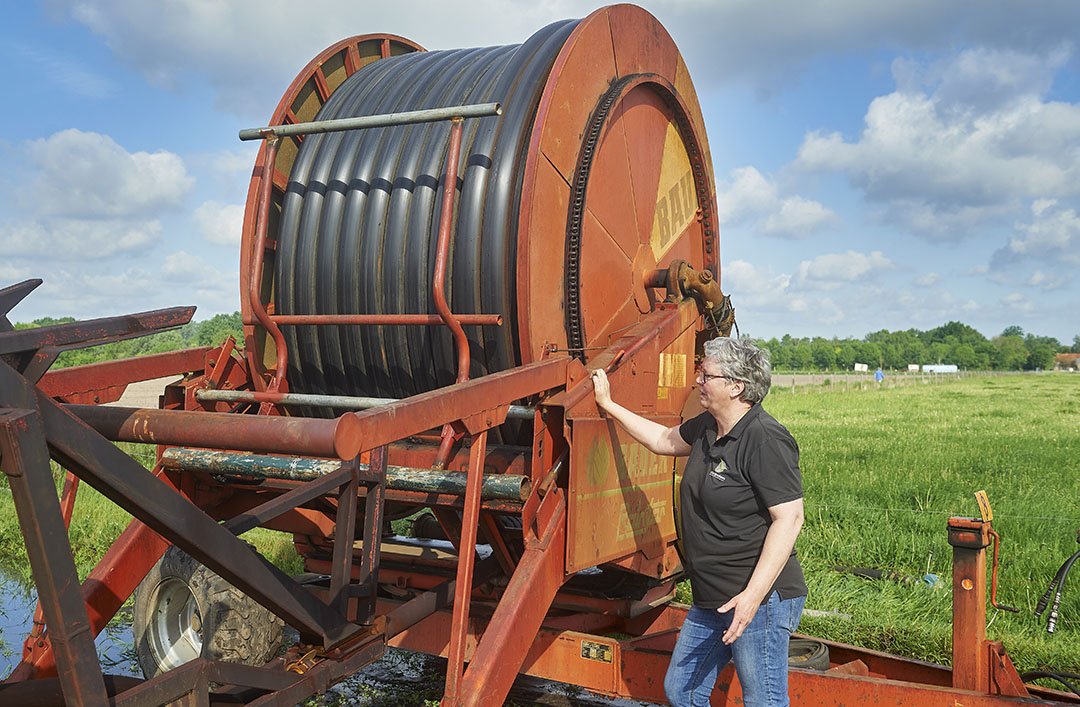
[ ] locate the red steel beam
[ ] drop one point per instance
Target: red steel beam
(362, 431)
(521, 610)
(969, 539)
(92, 332)
(464, 578)
(26, 464)
(93, 377)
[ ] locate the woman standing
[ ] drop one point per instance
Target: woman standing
(741, 508)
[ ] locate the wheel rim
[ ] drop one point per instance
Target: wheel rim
(175, 627)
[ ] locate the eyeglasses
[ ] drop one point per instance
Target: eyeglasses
(704, 377)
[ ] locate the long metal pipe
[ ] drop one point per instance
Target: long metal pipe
(258, 433)
(385, 319)
(431, 115)
(341, 402)
(439, 281)
(495, 487)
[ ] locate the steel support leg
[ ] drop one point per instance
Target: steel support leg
(25, 459)
(502, 649)
(466, 560)
(373, 520)
(969, 539)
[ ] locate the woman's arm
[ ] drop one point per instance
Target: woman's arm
(656, 438)
(787, 520)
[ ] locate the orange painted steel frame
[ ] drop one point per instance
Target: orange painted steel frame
(518, 634)
(608, 502)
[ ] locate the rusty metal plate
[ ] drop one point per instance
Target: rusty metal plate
(621, 496)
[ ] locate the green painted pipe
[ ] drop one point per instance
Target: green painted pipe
(495, 487)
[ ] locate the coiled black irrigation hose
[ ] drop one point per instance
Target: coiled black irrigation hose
(359, 221)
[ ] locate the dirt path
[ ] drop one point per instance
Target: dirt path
(144, 394)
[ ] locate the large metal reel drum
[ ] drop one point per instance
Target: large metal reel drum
(596, 173)
(300, 103)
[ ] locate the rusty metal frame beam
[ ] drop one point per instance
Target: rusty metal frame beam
(11, 296)
(217, 430)
(367, 589)
(93, 332)
(124, 481)
(92, 377)
(362, 431)
(26, 463)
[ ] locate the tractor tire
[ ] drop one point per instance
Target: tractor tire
(184, 611)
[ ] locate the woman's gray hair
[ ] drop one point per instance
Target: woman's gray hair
(742, 360)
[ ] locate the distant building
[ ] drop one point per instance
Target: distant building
(1067, 362)
(861, 367)
(940, 368)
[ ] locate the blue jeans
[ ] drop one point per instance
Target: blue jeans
(760, 654)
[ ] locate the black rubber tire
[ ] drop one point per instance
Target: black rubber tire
(183, 610)
(805, 653)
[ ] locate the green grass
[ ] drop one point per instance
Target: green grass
(96, 522)
(884, 468)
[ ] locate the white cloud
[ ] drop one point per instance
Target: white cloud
(748, 197)
(1018, 302)
(246, 48)
(111, 289)
(956, 145)
(220, 223)
(82, 174)
(830, 271)
(928, 280)
(83, 196)
(1053, 233)
(249, 49)
(760, 287)
(1046, 281)
(798, 217)
(76, 239)
(199, 278)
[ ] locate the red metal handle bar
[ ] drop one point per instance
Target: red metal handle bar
(262, 221)
(993, 577)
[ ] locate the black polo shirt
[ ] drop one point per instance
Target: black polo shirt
(727, 488)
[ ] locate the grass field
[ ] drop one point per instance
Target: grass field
(884, 468)
(882, 471)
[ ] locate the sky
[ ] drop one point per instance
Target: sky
(878, 165)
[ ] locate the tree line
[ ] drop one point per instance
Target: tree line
(955, 343)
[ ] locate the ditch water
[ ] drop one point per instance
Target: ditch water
(400, 678)
(17, 603)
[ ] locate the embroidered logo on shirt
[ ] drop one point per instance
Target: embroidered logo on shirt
(718, 471)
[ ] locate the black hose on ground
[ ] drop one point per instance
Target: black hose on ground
(1062, 677)
(1051, 622)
